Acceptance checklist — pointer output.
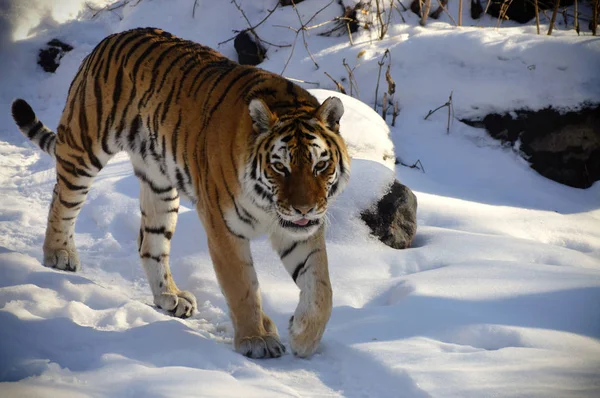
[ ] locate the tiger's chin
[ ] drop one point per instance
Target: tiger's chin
(297, 230)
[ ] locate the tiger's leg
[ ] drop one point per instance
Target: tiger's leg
(74, 179)
(306, 262)
(256, 335)
(159, 208)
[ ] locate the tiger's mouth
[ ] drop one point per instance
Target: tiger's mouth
(299, 225)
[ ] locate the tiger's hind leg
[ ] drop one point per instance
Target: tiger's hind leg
(159, 205)
(74, 179)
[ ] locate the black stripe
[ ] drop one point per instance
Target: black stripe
(206, 67)
(185, 73)
(167, 70)
(70, 185)
(140, 239)
(134, 131)
(155, 258)
(232, 232)
(288, 250)
(71, 168)
(227, 90)
(35, 130)
(143, 56)
(263, 193)
(171, 198)
(154, 188)
(69, 205)
(175, 136)
(167, 104)
(156, 70)
(45, 139)
(159, 231)
(300, 267)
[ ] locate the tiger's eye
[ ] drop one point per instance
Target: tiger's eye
(321, 165)
(280, 167)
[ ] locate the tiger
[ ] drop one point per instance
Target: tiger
(255, 153)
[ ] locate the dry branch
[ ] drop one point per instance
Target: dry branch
(553, 19)
(425, 13)
(380, 63)
(338, 85)
(537, 16)
(416, 165)
(252, 27)
(395, 114)
(450, 107)
(303, 28)
(351, 78)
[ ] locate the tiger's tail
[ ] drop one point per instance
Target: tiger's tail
(32, 128)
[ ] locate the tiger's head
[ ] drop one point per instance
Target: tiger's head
(300, 162)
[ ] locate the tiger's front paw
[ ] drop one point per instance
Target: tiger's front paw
(267, 346)
(305, 334)
(63, 259)
(181, 304)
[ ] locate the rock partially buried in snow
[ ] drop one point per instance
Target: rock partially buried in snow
(392, 217)
(49, 57)
(250, 52)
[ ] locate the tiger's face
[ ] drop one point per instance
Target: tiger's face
(301, 164)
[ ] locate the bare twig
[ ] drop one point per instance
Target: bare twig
(384, 106)
(443, 7)
(403, 6)
(351, 78)
(460, 4)
(537, 17)
(553, 19)
(503, 10)
(194, 8)
(450, 107)
(381, 24)
(425, 12)
(112, 9)
(400, 12)
(416, 165)
(395, 114)
(252, 27)
(338, 85)
(303, 27)
(576, 22)
(595, 10)
(302, 81)
(487, 6)
(380, 63)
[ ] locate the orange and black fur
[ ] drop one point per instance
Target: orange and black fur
(254, 152)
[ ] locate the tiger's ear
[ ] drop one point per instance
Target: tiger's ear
(330, 112)
(262, 118)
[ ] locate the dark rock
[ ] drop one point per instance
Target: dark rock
(49, 58)
(394, 218)
(249, 51)
(476, 9)
(521, 11)
(289, 2)
(562, 146)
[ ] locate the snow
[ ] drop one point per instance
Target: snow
(499, 295)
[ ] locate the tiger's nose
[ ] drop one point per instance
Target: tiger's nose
(303, 210)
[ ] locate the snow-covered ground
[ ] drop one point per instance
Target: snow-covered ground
(499, 296)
